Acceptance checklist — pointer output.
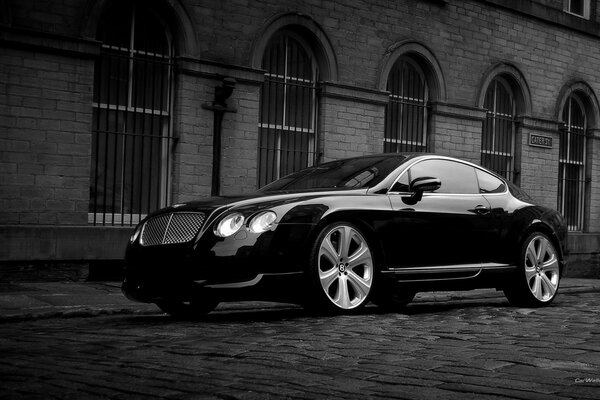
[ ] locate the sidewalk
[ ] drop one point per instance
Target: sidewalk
(34, 300)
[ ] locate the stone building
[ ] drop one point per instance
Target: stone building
(108, 109)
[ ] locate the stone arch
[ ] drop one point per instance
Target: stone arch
(426, 61)
(172, 11)
(307, 28)
(587, 96)
(516, 81)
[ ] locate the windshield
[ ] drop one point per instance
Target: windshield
(351, 173)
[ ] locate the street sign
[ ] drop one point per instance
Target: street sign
(540, 141)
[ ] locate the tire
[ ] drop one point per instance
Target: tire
(538, 274)
(341, 270)
(195, 309)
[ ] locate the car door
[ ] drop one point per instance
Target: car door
(449, 226)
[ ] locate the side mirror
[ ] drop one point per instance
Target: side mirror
(420, 185)
(425, 184)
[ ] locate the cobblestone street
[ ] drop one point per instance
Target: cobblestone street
(459, 350)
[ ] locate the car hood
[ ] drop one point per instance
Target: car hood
(258, 200)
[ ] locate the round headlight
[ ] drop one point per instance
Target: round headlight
(229, 225)
(262, 221)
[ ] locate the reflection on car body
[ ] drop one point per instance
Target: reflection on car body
(340, 234)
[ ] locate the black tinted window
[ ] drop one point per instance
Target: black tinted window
(455, 177)
(489, 183)
(348, 174)
(519, 193)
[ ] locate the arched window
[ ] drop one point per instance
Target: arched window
(497, 143)
(287, 122)
(131, 115)
(571, 174)
(406, 111)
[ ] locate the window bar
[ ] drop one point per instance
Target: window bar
(407, 107)
(144, 72)
(272, 92)
(109, 59)
(313, 108)
(169, 140)
(115, 133)
(395, 107)
(152, 131)
(100, 67)
(277, 137)
(421, 111)
(271, 134)
(403, 109)
(398, 106)
(266, 129)
(303, 121)
(397, 127)
(162, 135)
(287, 134)
(133, 140)
(415, 112)
(298, 113)
(297, 148)
(285, 109)
(410, 146)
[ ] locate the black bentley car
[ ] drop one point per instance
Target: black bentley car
(337, 235)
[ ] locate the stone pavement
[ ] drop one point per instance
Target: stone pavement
(33, 300)
(463, 346)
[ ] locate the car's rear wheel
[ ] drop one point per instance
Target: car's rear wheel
(193, 309)
(341, 269)
(538, 276)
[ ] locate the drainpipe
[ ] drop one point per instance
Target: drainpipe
(219, 108)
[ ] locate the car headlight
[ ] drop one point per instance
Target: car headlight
(262, 221)
(229, 225)
(136, 233)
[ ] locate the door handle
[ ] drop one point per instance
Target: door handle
(481, 210)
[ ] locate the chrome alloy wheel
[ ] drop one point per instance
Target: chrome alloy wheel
(345, 267)
(541, 268)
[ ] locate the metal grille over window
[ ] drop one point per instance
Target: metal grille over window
(287, 123)
(171, 228)
(406, 112)
(497, 143)
(131, 116)
(571, 173)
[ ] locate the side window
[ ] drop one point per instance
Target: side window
(401, 185)
(455, 177)
(489, 183)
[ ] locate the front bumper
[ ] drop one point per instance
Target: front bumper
(245, 264)
(286, 287)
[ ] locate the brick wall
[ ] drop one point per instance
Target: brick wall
(351, 122)
(46, 119)
(539, 166)
(46, 84)
(192, 158)
(240, 141)
(456, 131)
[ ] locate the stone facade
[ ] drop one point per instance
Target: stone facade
(47, 60)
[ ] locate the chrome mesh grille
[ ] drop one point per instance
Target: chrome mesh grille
(171, 228)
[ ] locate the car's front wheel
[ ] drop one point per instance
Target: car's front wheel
(538, 276)
(341, 269)
(196, 308)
